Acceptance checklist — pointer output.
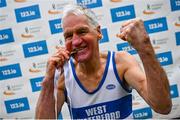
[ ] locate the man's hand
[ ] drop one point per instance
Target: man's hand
(56, 61)
(133, 31)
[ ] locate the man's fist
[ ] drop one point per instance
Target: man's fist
(133, 31)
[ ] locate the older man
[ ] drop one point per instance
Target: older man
(98, 85)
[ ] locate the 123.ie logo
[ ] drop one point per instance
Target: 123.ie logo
(17, 105)
(3, 3)
(10, 71)
(165, 58)
(36, 83)
(156, 25)
(27, 13)
(6, 36)
(90, 3)
(122, 13)
(35, 48)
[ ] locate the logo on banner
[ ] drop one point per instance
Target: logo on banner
(177, 23)
(90, 3)
(177, 34)
(27, 13)
(17, 105)
(126, 47)
(105, 37)
(55, 26)
(175, 5)
(165, 58)
(174, 91)
(144, 113)
(2, 57)
(10, 71)
(157, 43)
(29, 31)
(35, 49)
(8, 91)
(156, 25)
(3, 3)
(5, 54)
(6, 36)
(56, 8)
(3, 17)
(122, 13)
(152, 8)
(36, 83)
(37, 67)
(12, 89)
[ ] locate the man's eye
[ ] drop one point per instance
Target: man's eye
(83, 31)
(68, 37)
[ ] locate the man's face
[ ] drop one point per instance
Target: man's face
(80, 35)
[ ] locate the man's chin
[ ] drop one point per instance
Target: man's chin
(82, 59)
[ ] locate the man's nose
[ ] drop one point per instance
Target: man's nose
(76, 40)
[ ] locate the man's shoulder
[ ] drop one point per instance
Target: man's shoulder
(122, 53)
(123, 57)
(120, 56)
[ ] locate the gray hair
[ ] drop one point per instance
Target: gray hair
(80, 10)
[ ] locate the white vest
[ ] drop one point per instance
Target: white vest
(111, 99)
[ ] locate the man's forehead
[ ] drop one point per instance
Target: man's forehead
(71, 29)
(71, 20)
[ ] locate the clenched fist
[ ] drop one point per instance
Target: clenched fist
(133, 31)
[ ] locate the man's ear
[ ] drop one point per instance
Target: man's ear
(100, 36)
(99, 32)
(98, 28)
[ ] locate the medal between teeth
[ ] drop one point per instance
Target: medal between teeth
(72, 54)
(75, 51)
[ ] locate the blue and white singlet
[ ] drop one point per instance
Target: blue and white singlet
(110, 100)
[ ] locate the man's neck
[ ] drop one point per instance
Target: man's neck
(91, 66)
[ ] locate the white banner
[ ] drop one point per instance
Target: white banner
(30, 31)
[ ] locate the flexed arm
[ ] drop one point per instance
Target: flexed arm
(152, 85)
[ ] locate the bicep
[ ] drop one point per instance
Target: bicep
(136, 78)
(132, 73)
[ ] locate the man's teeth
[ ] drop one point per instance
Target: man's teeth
(76, 50)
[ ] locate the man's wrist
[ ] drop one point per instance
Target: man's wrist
(145, 48)
(48, 83)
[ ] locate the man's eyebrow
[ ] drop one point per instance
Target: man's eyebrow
(82, 27)
(77, 29)
(67, 32)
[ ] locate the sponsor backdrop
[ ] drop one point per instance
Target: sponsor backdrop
(30, 31)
